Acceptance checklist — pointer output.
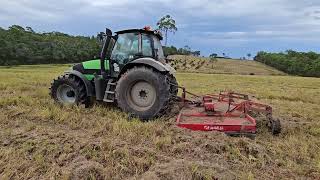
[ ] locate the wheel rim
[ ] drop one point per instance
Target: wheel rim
(66, 94)
(141, 95)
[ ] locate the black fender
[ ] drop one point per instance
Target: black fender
(87, 83)
(148, 62)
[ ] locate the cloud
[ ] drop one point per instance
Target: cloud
(22, 9)
(204, 21)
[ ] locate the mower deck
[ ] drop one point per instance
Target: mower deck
(195, 118)
(226, 112)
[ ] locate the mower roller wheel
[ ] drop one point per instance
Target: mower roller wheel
(275, 126)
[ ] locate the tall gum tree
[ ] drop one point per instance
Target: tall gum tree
(167, 24)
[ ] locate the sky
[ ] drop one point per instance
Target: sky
(233, 27)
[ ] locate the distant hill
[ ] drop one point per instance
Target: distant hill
(221, 66)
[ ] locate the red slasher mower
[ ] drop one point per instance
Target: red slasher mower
(228, 112)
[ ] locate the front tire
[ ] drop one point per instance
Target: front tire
(143, 92)
(68, 90)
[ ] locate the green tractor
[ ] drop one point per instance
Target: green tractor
(132, 73)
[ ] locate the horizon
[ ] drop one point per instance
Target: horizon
(251, 26)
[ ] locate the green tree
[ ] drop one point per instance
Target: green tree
(187, 50)
(292, 62)
(196, 53)
(16, 27)
(167, 24)
(170, 50)
(29, 29)
(214, 55)
(249, 55)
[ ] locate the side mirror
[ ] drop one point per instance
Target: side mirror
(108, 32)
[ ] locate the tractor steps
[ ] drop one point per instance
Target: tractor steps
(110, 92)
(112, 84)
(109, 95)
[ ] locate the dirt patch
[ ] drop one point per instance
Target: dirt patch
(81, 168)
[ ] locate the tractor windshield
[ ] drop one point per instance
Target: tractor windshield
(128, 47)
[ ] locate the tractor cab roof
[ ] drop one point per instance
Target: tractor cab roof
(144, 30)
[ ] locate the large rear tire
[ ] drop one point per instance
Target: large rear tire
(143, 93)
(68, 90)
(173, 85)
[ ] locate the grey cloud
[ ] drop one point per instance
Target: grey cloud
(201, 21)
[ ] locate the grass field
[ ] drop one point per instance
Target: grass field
(41, 140)
(193, 64)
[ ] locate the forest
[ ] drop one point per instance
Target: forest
(292, 62)
(20, 45)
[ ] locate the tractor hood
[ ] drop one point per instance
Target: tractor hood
(89, 68)
(94, 64)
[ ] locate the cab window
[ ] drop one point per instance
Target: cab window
(126, 48)
(146, 45)
(158, 48)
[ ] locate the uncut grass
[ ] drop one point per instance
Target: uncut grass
(39, 139)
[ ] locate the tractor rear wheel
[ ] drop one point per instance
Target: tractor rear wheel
(173, 85)
(143, 92)
(68, 90)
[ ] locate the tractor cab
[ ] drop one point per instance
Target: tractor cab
(127, 46)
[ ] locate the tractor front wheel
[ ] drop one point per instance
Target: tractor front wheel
(68, 90)
(143, 93)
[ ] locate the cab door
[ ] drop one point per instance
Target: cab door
(147, 46)
(126, 49)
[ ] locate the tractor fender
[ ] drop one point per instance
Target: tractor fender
(88, 85)
(151, 63)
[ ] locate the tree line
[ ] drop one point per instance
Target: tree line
(292, 62)
(20, 45)
(186, 50)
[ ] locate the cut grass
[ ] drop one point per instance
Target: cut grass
(41, 140)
